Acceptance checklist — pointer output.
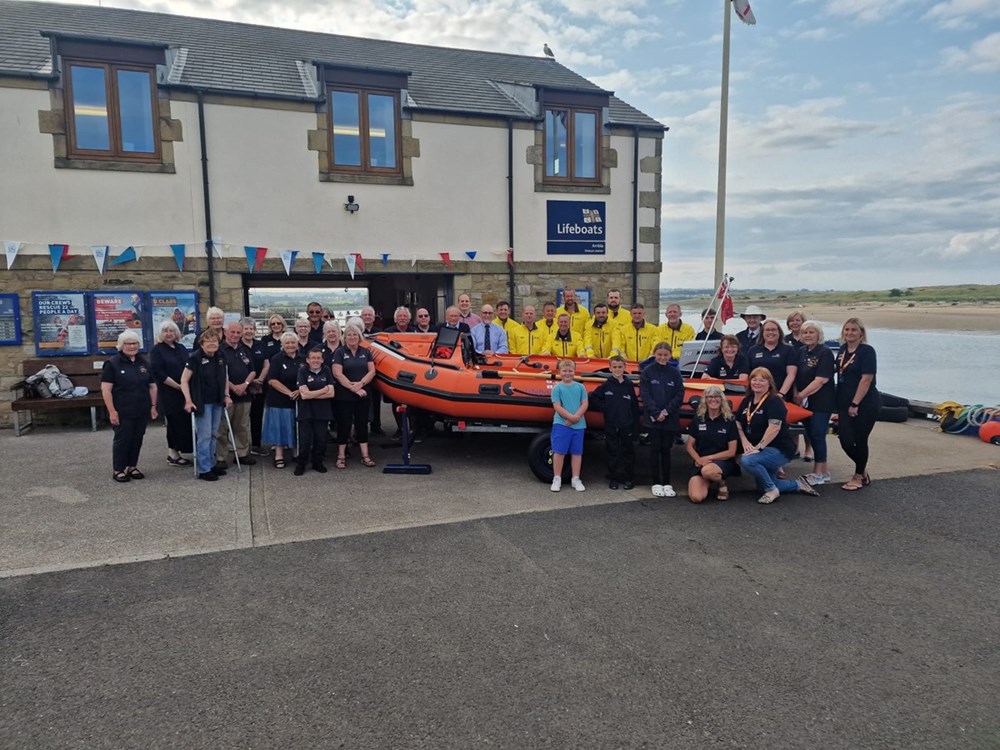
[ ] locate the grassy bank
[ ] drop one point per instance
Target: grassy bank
(958, 294)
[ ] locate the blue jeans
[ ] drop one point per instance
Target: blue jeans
(206, 422)
(816, 428)
(763, 467)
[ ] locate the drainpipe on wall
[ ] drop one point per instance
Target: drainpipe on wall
(510, 210)
(635, 217)
(208, 201)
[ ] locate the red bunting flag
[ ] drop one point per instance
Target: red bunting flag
(726, 308)
(510, 256)
(359, 262)
(446, 259)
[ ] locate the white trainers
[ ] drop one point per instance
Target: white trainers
(556, 484)
(577, 484)
(657, 490)
(668, 490)
(815, 479)
(769, 497)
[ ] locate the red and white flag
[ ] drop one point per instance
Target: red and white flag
(744, 12)
(726, 308)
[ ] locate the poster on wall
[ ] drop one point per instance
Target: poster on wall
(114, 313)
(582, 299)
(10, 320)
(575, 227)
(179, 306)
(60, 323)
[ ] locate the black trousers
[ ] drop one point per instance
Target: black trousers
(178, 432)
(660, 444)
(348, 412)
(127, 442)
(621, 452)
(853, 433)
(256, 419)
(312, 441)
(374, 406)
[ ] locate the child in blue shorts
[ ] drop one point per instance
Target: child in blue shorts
(569, 399)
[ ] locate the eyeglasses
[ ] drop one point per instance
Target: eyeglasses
(277, 324)
(422, 315)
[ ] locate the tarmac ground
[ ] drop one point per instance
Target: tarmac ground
(473, 607)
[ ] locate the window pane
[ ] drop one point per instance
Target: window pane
(382, 130)
(585, 144)
(90, 108)
(136, 107)
(555, 144)
(346, 128)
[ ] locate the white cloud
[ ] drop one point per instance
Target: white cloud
(984, 245)
(963, 14)
(867, 11)
(618, 13)
(982, 57)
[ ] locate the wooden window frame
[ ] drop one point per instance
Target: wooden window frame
(116, 152)
(571, 178)
(365, 167)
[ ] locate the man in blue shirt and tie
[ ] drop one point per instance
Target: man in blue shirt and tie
(487, 338)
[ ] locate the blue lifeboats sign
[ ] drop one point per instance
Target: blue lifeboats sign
(576, 227)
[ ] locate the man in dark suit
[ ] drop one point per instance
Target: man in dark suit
(751, 335)
(452, 319)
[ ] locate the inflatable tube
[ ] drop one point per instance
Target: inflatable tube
(990, 433)
(889, 400)
(893, 413)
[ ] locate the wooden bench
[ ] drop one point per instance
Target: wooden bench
(85, 371)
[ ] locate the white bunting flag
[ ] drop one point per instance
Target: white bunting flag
(12, 249)
(100, 256)
(287, 259)
(413, 261)
(219, 247)
(329, 260)
(744, 12)
(352, 262)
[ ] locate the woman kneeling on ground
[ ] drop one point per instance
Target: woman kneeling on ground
(762, 422)
(712, 445)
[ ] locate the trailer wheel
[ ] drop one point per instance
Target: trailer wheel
(540, 458)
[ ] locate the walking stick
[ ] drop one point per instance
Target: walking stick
(296, 451)
(232, 439)
(194, 442)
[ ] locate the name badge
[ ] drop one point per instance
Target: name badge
(702, 427)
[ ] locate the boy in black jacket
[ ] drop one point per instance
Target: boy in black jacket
(618, 400)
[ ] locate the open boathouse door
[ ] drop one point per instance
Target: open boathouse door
(264, 294)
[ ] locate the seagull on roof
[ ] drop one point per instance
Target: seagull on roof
(548, 51)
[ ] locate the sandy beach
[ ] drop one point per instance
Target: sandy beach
(921, 316)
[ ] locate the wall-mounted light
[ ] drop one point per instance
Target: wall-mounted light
(351, 206)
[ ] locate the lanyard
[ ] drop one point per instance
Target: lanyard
(842, 365)
(751, 412)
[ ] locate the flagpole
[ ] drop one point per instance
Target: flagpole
(720, 210)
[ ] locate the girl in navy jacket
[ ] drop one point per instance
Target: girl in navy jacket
(662, 389)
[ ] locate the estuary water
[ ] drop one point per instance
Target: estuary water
(930, 366)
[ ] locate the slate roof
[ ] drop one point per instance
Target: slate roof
(261, 60)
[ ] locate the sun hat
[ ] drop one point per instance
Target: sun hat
(753, 310)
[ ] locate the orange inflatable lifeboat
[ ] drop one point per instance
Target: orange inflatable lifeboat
(441, 374)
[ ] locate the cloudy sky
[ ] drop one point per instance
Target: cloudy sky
(864, 135)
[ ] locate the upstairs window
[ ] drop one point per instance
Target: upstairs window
(111, 111)
(364, 123)
(111, 107)
(364, 107)
(573, 136)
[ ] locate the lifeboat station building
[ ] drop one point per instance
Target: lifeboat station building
(154, 163)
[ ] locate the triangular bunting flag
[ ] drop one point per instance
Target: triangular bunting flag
(288, 259)
(100, 256)
(217, 247)
(470, 254)
(329, 259)
(446, 259)
(255, 257)
(510, 256)
(12, 249)
(413, 261)
(318, 261)
(127, 255)
(179, 251)
(352, 261)
(57, 253)
(385, 259)
(359, 262)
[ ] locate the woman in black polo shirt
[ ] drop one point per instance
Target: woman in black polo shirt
(778, 357)
(354, 371)
(272, 341)
(282, 393)
(762, 422)
(858, 401)
(206, 395)
(167, 360)
(331, 341)
(711, 445)
(129, 393)
(730, 363)
(814, 390)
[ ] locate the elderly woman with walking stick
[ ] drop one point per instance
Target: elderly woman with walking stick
(206, 396)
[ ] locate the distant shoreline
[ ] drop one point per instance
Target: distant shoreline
(931, 316)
